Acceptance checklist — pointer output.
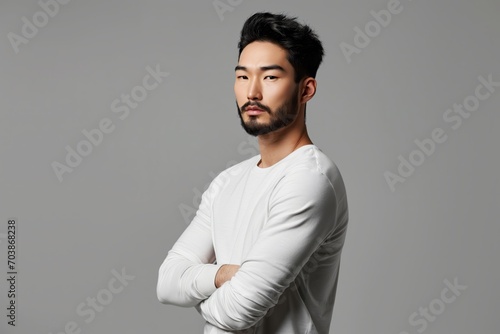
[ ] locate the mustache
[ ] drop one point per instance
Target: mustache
(255, 104)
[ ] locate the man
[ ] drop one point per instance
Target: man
(262, 254)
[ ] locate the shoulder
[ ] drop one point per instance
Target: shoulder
(313, 179)
(312, 163)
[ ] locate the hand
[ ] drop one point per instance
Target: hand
(225, 273)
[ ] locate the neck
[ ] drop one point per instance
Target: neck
(277, 145)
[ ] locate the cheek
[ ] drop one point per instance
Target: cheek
(239, 93)
(280, 95)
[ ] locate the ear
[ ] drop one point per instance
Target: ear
(308, 89)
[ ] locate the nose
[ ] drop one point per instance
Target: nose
(254, 91)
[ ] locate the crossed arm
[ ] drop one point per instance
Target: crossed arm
(302, 213)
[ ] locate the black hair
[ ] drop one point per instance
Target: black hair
(304, 49)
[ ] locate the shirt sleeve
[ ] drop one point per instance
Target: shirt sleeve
(302, 214)
(187, 275)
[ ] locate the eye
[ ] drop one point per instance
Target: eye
(271, 77)
(241, 77)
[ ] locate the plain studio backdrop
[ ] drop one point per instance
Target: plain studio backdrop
(115, 115)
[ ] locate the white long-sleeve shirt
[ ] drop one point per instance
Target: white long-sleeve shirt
(285, 226)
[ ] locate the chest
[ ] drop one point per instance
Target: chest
(239, 215)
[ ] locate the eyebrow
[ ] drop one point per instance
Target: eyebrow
(262, 68)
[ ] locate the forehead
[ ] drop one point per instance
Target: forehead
(259, 53)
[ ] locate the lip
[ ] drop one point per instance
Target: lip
(252, 111)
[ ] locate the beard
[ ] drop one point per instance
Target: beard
(282, 117)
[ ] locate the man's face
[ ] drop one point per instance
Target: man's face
(266, 93)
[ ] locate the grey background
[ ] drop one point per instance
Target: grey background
(121, 207)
